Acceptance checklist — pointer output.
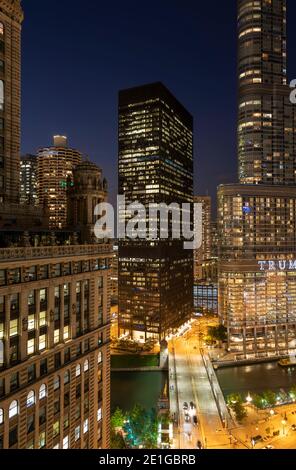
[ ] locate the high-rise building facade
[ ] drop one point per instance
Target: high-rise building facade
(54, 298)
(257, 218)
(28, 176)
(155, 166)
(205, 251)
(55, 167)
(11, 17)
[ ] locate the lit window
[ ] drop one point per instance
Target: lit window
(56, 337)
(66, 332)
(30, 346)
(99, 414)
(42, 342)
(100, 358)
(42, 319)
(13, 409)
(78, 370)
(42, 436)
(86, 366)
(1, 29)
(42, 392)
(13, 329)
(56, 429)
(30, 399)
(77, 433)
(66, 442)
(56, 447)
(85, 426)
(1, 416)
(31, 322)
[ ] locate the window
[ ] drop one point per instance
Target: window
(56, 383)
(2, 304)
(1, 416)
(13, 328)
(77, 433)
(30, 399)
(42, 318)
(42, 416)
(78, 370)
(42, 342)
(99, 414)
(30, 424)
(42, 392)
(67, 377)
(56, 338)
(66, 332)
(13, 437)
(43, 367)
(85, 426)
(42, 437)
(56, 429)
(1, 29)
(67, 355)
(86, 366)
(30, 346)
(66, 442)
(100, 358)
(14, 303)
(30, 444)
(56, 447)
(31, 373)
(66, 399)
(66, 420)
(13, 409)
(14, 382)
(31, 322)
(2, 277)
(43, 296)
(56, 406)
(57, 360)
(2, 387)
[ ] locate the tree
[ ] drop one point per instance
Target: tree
(116, 440)
(235, 403)
(118, 418)
(219, 333)
(269, 397)
(258, 402)
(233, 399)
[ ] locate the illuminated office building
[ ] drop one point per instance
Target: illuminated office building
(28, 175)
(205, 251)
(155, 166)
(54, 298)
(257, 217)
(55, 167)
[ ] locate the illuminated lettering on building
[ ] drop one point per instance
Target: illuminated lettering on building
(277, 265)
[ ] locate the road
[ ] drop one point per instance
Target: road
(191, 383)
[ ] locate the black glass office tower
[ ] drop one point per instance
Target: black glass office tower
(155, 166)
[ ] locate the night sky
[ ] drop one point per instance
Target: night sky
(77, 54)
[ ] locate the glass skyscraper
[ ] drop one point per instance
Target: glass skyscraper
(257, 217)
(155, 166)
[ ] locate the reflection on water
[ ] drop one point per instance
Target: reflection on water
(256, 378)
(129, 388)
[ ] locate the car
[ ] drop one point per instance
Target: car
(195, 420)
(293, 427)
(192, 405)
(199, 445)
(185, 405)
(268, 447)
(187, 418)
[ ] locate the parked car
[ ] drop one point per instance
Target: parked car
(293, 427)
(187, 418)
(195, 420)
(192, 405)
(185, 405)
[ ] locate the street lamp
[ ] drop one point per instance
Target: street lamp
(272, 413)
(284, 422)
(249, 399)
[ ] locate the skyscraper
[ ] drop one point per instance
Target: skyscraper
(205, 251)
(155, 166)
(28, 175)
(257, 218)
(11, 17)
(55, 166)
(54, 299)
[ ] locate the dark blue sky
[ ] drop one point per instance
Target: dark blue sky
(77, 54)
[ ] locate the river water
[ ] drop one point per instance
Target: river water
(255, 378)
(130, 388)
